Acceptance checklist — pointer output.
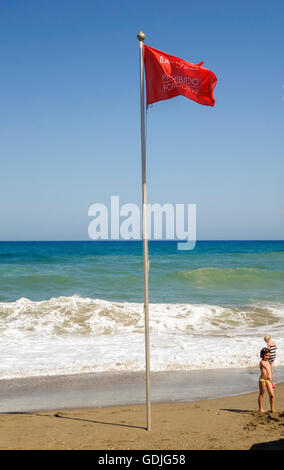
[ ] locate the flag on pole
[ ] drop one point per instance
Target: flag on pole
(168, 76)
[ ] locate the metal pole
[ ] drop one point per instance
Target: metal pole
(141, 37)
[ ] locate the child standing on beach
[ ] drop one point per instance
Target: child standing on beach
(265, 380)
(272, 346)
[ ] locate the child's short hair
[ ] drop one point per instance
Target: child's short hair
(263, 352)
(266, 338)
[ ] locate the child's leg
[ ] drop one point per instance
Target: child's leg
(271, 395)
(262, 387)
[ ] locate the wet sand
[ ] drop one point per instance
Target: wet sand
(92, 390)
(224, 423)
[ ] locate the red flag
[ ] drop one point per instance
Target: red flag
(168, 76)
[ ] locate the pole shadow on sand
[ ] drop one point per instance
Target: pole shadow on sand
(58, 415)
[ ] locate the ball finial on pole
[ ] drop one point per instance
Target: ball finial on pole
(141, 36)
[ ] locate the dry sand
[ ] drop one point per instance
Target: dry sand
(231, 423)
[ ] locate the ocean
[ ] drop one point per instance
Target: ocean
(77, 307)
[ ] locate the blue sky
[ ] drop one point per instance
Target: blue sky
(70, 117)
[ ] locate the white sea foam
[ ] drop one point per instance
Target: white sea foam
(75, 334)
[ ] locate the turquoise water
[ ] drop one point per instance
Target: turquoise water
(74, 307)
(226, 273)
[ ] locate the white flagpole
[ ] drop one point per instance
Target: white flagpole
(141, 37)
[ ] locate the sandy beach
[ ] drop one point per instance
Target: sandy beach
(228, 423)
